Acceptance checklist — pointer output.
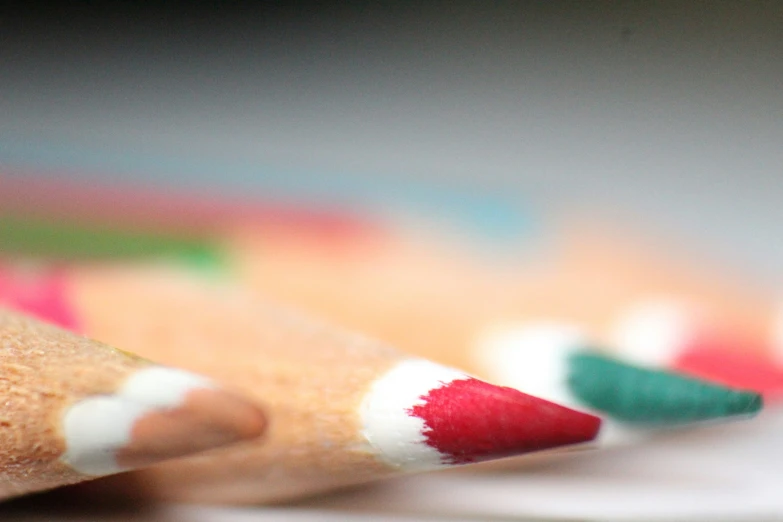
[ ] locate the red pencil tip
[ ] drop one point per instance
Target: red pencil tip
(732, 368)
(472, 421)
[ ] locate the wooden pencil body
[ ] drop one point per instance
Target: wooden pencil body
(72, 409)
(343, 409)
(43, 370)
(313, 395)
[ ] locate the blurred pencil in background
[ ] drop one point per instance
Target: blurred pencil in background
(425, 294)
(642, 297)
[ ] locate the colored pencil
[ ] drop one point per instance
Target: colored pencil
(556, 362)
(339, 267)
(550, 361)
(431, 287)
(571, 264)
(610, 296)
(668, 334)
(73, 409)
(342, 409)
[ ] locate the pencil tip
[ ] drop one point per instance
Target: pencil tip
(649, 396)
(733, 368)
(471, 421)
(159, 414)
(421, 415)
(743, 402)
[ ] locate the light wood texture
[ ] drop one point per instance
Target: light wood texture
(310, 377)
(43, 370)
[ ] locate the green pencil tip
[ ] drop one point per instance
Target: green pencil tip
(745, 403)
(656, 397)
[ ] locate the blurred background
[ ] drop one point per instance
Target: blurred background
(661, 119)
(667, 111)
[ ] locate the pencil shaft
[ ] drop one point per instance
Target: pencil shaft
(37, 385)
(73, 409)
(312, 378)
(343, 409)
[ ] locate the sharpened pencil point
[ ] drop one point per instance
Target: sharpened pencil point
(666, 334)
(732, 368)
(421, 415)
(469, 420)
(552, 361)
(744, 403)
(653, 397)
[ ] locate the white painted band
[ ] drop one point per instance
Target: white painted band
(394, 435)
(97, 427)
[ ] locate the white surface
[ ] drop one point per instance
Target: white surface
(97, 427)
(396, 436)
(729, 472)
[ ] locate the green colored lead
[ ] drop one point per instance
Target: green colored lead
(642, 396)
(71, 241)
